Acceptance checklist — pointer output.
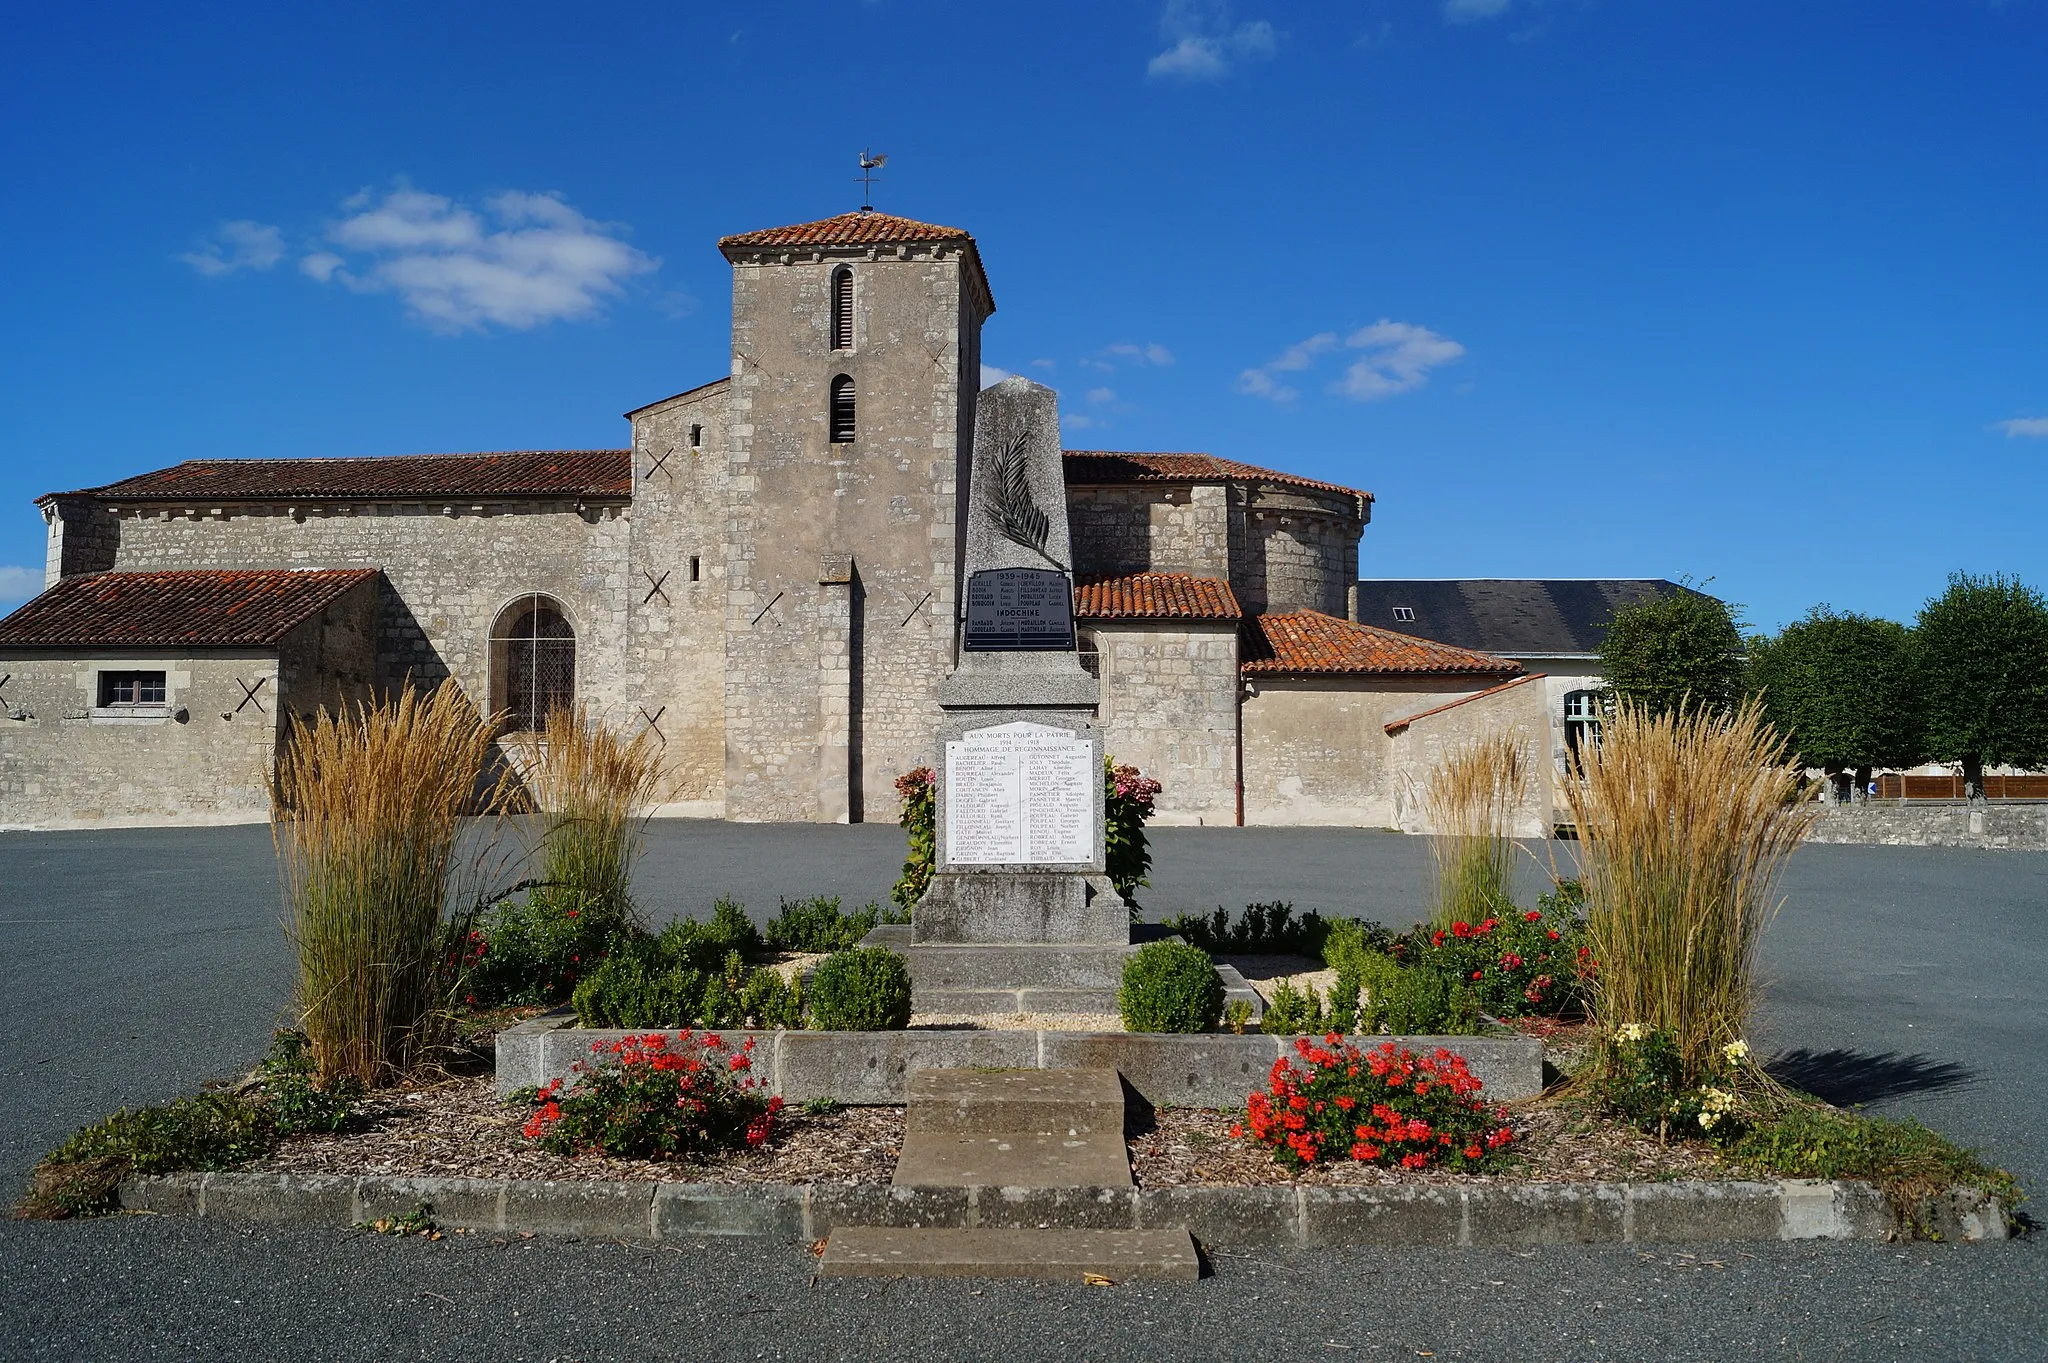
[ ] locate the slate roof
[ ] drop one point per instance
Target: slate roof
(1509, 617)
(1128, 466)
(863, 228)
(199, 609)
(514, 473)
(1155, 596)
(1311, 642)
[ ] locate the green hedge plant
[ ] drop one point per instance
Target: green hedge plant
(866, 989)
(1170, 987)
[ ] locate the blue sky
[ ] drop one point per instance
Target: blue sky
(1755, 292)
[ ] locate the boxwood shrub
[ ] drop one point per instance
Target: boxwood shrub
(866, 989)
(1170, 987)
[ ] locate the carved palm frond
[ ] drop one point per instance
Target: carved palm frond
(1011, 507)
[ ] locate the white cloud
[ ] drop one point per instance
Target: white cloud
(1044, 364)
(2035, 427)
(237, 245)
(1077, 421)
(523, 260)
(1097, 365)
(1398, 357)
(1202, 43)
(1470, 11)
(1099, 396)
(18, 585)
(990, 375)
(1150, 353)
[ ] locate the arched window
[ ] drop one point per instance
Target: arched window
(842, 410)
(842, 309)
(533, 661)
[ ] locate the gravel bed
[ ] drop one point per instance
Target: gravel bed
(460, 1129)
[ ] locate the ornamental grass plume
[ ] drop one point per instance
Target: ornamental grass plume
(1685, 820)
(1474, 793)
(368, 806)
(590, 785)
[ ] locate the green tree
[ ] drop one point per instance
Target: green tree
(1660, 652)
(1843, 688)
(1983, 648)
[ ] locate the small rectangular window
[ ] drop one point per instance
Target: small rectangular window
(1404, 613)
(131, 689)
(694, 566)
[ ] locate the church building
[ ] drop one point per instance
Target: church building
(767, 577)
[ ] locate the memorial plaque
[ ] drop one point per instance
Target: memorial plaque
(1020, 794)
(1015, 610)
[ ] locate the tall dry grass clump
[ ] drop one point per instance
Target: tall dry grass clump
(1474, 793)
(369, 804)
(590, 785)
(1685, 821)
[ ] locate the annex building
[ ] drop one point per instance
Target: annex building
(767, 576)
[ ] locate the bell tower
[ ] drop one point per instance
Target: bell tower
(856, 356)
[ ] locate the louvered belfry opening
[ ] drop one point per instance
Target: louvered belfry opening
(536, 661)
(842, 410)
(842, 309)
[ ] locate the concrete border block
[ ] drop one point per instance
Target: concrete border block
(280, 1199)
(883, 1204)
(160, 1194)
(1205, 1069)
(1056, 1208)
(692, 1210)
(522, 1051)
(594, 1210)
(1393, 1215)
(467, 1203)
(1691, 1210)
(1226, 1216)
(1545, 1214)
(873, 1067)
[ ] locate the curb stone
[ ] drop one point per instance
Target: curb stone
(1279, 1215)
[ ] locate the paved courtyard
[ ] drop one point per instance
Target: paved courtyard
(135, 964)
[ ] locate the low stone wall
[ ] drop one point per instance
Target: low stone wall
(2015, 824)
(1279, 1216)
(1217, 1070)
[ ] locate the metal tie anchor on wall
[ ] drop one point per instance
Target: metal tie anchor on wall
(765, 609)
(653, 722)
(660, 465)
(249, 695)
(655, 590)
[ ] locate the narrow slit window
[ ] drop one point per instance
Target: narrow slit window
(842, 410)
(696, 437)
(695, 564)
(842, 309)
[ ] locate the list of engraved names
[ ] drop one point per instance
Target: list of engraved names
(1020, 793)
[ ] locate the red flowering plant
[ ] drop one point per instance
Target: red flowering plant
(1522, 962)
(647, 1097)
(1388, 1106)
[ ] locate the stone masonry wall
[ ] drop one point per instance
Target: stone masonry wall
(83, 538)
(450, 575)
(801, 506)
(1297, 552)
(674, 669)
(1416, 749)
(1169, 708)
(2002, 824)
(1146, 529)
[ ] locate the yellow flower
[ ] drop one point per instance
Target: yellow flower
(1736, 1051)
(1634, 1031)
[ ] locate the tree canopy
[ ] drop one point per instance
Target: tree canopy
(1843, 688)
(1983, 648)
(1660, 652)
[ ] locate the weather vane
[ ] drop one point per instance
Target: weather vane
(868, 166)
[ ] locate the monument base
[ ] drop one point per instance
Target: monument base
(1021, 907)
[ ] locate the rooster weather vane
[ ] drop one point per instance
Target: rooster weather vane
(1010, 505)
(868, 166)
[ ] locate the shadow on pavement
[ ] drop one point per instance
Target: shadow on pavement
(1845, 1077)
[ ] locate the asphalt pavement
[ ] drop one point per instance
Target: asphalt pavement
(134, 965)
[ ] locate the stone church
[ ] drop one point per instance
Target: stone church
(767, 577)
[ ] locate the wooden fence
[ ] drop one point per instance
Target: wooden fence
(1892, 786)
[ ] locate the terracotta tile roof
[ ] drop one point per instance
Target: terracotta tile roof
(239, 608)
(867, 228)
(1395, 726)
(1127, 466)
(1309, 641)
(1154, 596)
(516, 473)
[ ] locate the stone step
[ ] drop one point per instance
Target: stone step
(1049, 1255)
(932, 1159)
(1066, 1102)
(974, 966)
(978, 1002)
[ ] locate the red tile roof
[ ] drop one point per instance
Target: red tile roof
(172, 610)
(1125, 466)
(865, 228)
(1155, 596)
(1309, 641)
(516, 473)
